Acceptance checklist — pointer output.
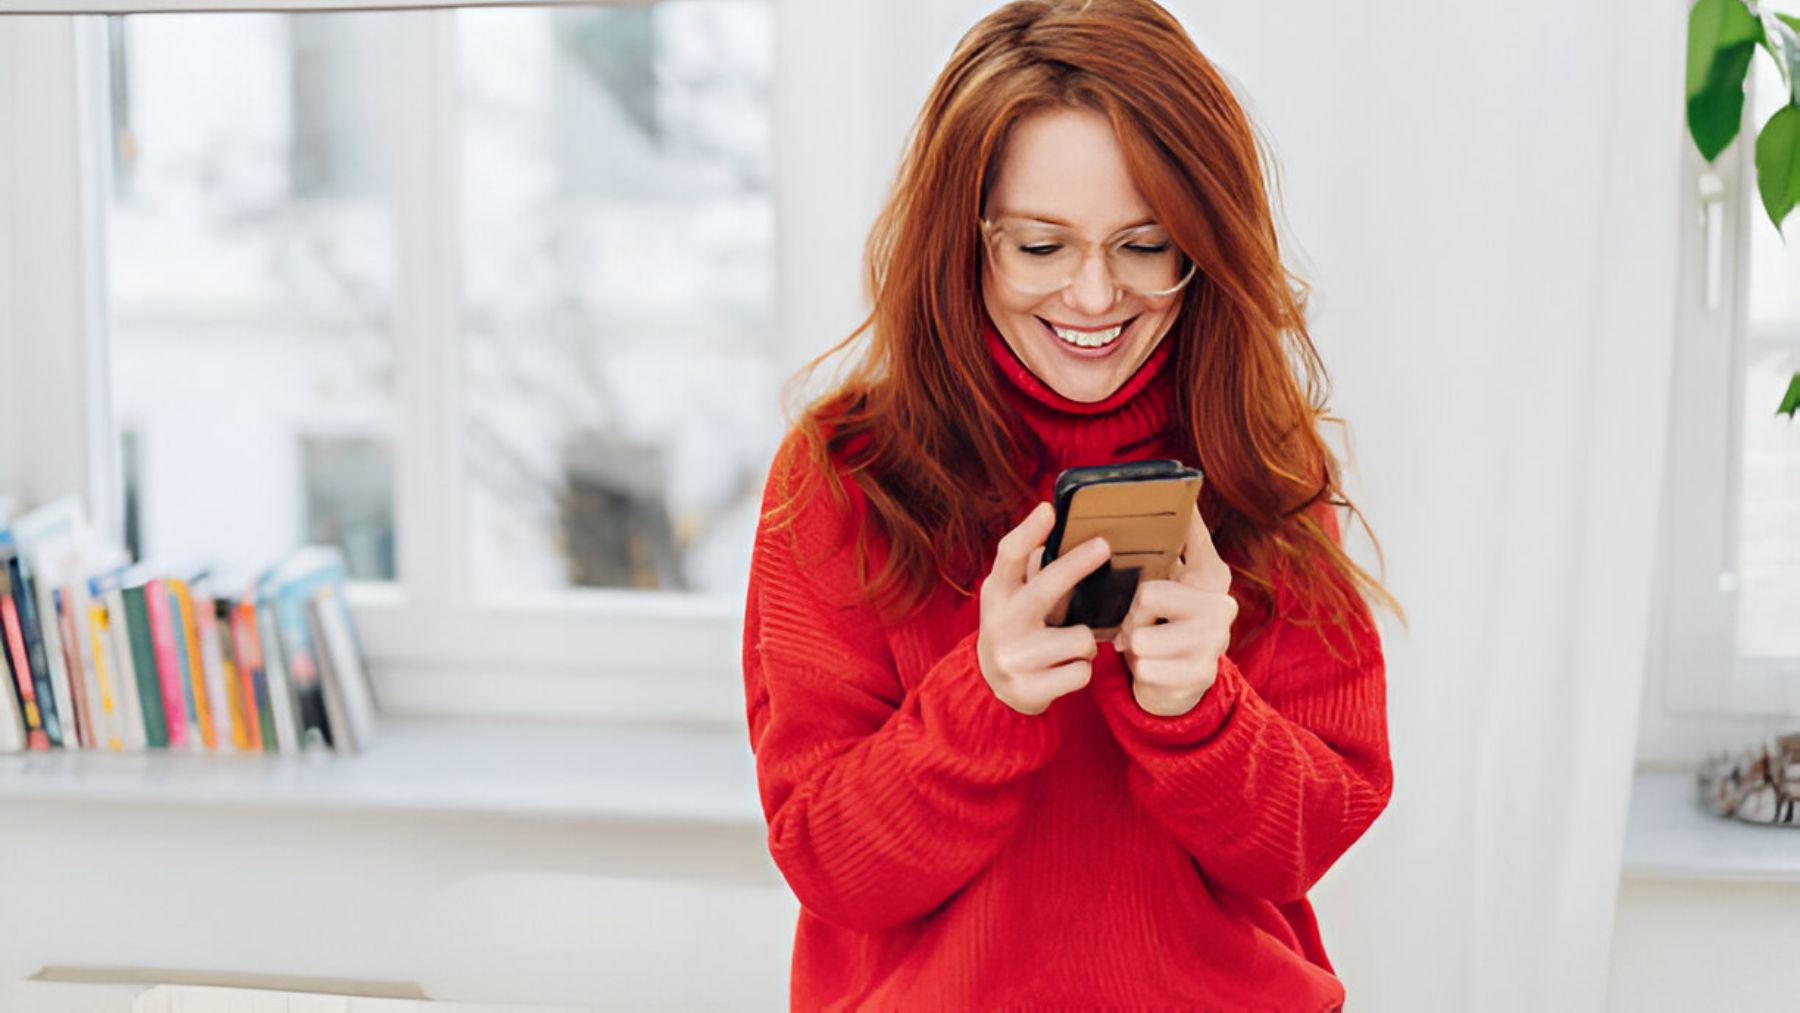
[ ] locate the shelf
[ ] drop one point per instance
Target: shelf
(1670, 835)
(464, 768)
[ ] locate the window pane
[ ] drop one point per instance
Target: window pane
(618, 252)
(251, 288)
(1769, 545)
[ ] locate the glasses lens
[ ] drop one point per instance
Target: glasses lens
(1040, 259)
(1146, 263)
(1033, 258)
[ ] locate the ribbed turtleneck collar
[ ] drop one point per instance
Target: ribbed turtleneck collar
(1130, 424)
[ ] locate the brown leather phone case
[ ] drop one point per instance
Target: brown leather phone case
(1144, 520)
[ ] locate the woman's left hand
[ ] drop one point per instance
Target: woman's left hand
(1178, 629)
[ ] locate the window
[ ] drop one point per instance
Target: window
(617, 296)
(250, 268)
(484, 296)
(1733, 545)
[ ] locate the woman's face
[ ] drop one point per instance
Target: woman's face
(1064, 167)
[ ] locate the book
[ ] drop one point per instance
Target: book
(62, 687)
(178, 707)
(283, 708)
(49, 539)
(240, 697)
(12, 716)
(162, 721)
(79, 675)
(189, 663)
(349, 700)
(111, 623)
(101, 709)
(212, 668)
(20, 665)
(248, 650)
(110, 709)
(288, 588)
(23, 615)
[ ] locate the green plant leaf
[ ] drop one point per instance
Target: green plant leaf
(1790, 402)
(1722, 38)
(1778, 163)
(1782, 41)
(1713, 26)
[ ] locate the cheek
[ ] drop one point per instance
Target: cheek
(1011, 303)
(1161, 320)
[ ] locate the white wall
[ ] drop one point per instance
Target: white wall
(1705, 946)
(595, 915)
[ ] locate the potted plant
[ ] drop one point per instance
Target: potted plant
(1723, 37)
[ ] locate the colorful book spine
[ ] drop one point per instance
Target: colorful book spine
(159, 729)
(27, 620)
(232, 690)
(35, 736)
(62, 681)
(187, 656)
(135, 727)
(178, 710)
(250, 671)
(212, 672)
(111, 705)
(76, 665)
(12, 716)
(76, 606)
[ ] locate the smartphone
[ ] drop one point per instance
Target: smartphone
(1142, 510)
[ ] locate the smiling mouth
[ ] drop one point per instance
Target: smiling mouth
(1087, 339)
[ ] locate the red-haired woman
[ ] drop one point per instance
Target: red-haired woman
(978, 810)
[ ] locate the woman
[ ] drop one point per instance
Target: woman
(977, 810)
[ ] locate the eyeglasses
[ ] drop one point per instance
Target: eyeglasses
(1038, 258)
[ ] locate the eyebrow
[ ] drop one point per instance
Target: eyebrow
(1053, 220)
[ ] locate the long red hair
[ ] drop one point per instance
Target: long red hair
(919, 422)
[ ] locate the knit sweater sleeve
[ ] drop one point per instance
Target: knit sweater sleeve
(881, 801)
(1272, 776)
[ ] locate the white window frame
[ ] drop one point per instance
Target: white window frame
(1702, 674)
(664, 657)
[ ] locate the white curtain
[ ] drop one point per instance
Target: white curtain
(1489, 200)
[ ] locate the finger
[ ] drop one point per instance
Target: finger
(1135, 616)
(1200, 565)
(1050, 647)
(1034, 564)
(1060, 577)
(1065, 679)
(1158, 601)
(1169, 640)
(1015, 546)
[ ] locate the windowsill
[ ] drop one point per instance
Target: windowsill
(458, 768)
(1670, 836)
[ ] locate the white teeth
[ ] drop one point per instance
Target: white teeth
(1088, 339)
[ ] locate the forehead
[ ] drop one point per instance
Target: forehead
(1066, 164)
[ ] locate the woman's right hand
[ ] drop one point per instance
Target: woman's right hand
(1027, 662)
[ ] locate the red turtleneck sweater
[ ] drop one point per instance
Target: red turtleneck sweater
(950, 853)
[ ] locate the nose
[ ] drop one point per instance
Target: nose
(1091, 292)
